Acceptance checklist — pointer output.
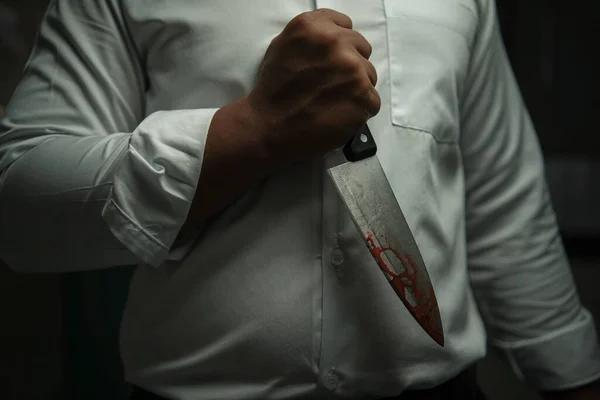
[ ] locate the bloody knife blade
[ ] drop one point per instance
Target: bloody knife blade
(366, 192)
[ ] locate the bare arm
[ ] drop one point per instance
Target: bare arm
(234, 159)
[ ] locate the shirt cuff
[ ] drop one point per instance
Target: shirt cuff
(563, 359)
(155, 182)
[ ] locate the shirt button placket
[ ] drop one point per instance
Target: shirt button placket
(337, 257)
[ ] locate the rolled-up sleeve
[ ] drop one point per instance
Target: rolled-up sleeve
(87, 180)
(518, 268)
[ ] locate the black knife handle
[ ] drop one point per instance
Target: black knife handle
(361, 146)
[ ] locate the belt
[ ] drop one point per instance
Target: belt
(462, 387)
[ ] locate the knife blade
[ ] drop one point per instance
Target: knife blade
(368, 196)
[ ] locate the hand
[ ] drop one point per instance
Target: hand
(315, 87)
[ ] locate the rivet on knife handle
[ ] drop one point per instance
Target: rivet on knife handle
(361, 146)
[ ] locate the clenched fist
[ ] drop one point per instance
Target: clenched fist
(316, 86)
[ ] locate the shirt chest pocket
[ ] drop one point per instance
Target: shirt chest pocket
(429, 45)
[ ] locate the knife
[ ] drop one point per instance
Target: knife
(366, 192)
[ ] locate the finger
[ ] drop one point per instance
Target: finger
(362, 45)
(336, 17)
(371, 72)
(373, 102)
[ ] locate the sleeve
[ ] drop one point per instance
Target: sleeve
(519, 272)
(88, 181)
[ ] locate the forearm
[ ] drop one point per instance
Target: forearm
(235, 158)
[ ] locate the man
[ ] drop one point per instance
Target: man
(142, 133)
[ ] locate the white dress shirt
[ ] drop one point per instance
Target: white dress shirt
(278, 298)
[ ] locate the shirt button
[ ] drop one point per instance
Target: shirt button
(337, 257)
(331, 380)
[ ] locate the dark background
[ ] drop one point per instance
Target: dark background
(58, 334)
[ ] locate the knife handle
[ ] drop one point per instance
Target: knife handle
(361, 146)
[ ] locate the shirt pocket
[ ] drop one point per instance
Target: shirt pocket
(429, 47)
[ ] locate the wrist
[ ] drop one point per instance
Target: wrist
(256, 129)
(235, 158)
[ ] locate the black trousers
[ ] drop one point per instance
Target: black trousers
(462, 387)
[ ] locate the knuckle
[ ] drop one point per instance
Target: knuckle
(336, 15)
(349, 61)
(325, 38)
(348, 21)
(302, 21)
(375, 103)
(327, 12)
(368, 98)
(373, 72)
(369, 47)
(364, 88)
